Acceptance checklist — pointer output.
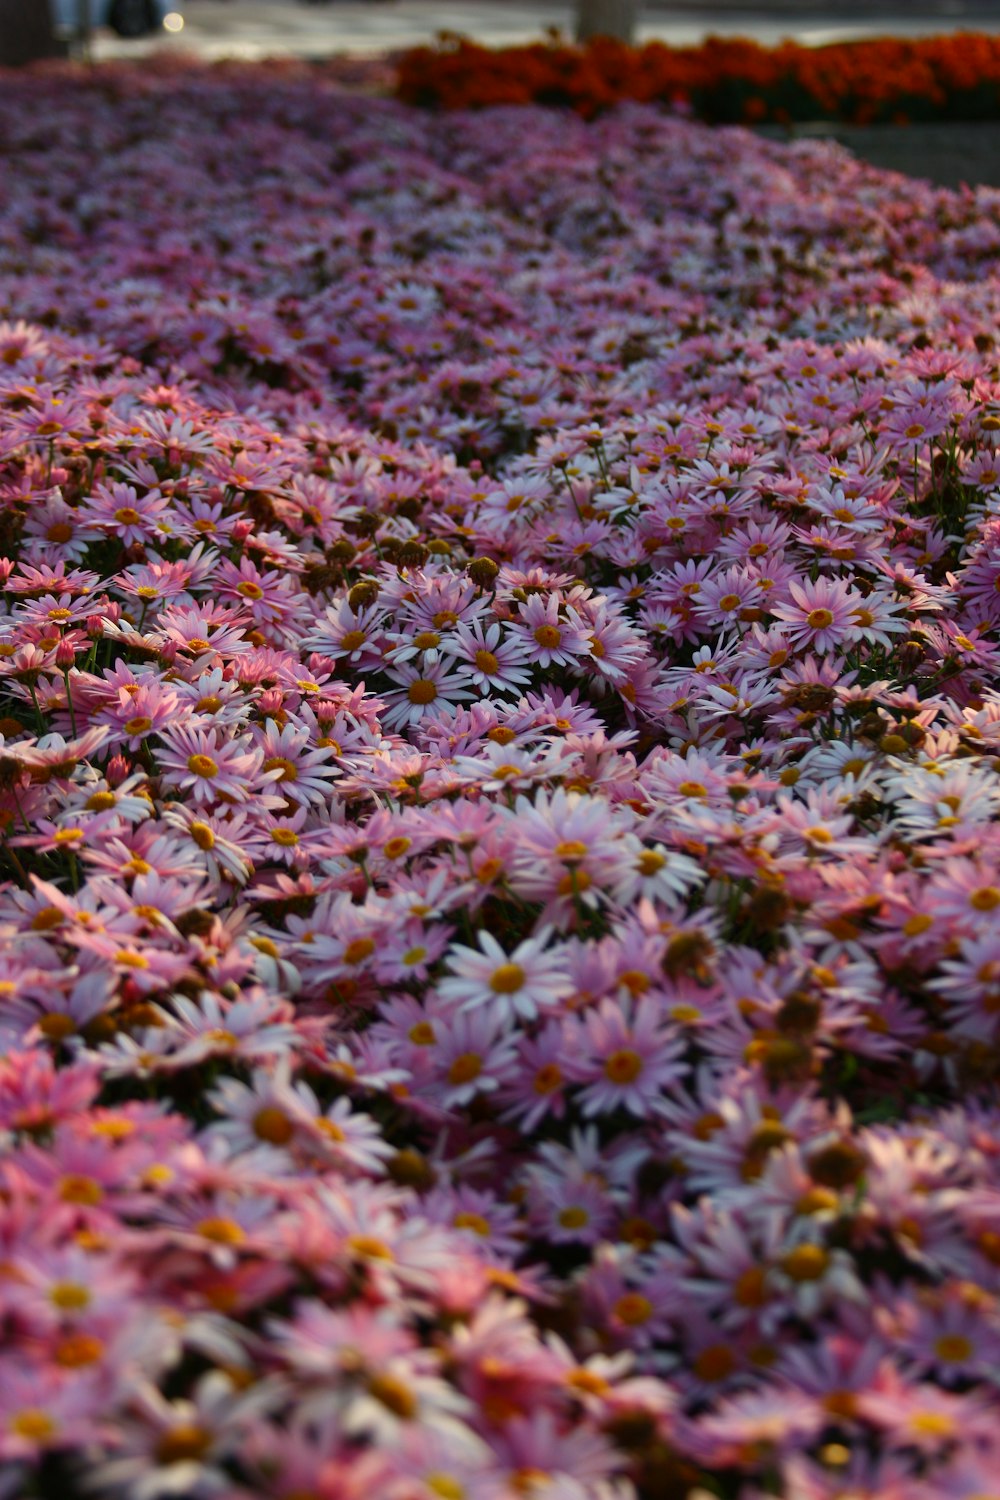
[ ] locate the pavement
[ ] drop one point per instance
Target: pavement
(251, 30)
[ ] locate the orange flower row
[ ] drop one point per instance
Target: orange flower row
(724, 80)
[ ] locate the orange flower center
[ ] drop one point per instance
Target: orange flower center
(466, 1067)
(623, 1066)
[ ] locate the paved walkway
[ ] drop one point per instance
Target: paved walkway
(259, 28)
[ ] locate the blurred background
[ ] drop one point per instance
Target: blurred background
(257, 28)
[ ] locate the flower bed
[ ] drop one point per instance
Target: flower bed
(501, 977)
(725, 80)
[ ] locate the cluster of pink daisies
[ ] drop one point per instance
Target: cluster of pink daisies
(500, 976)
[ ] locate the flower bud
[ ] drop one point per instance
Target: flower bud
(116, 771)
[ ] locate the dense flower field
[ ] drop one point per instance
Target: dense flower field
(500, 989)
(725, 79)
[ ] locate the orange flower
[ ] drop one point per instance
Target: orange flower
(725, 79)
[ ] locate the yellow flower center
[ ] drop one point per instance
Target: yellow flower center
(222, 1037)
(818, 835)
(819, 619)
(69, 1296)
(131, 960)
(548, 637)
(32, 1424)
(570, 850)
(394, 1396)
(934, 1424)
(445, 1486)
(220, 1231)
(84, 1191)
(202, 765)
(507, 980)
(100, 801)
(370, 1247)
(805, 1263)
(476, 1222)
(287, 768)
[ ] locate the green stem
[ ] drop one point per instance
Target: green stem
(69, 705)
(22, 873)
(39, 719)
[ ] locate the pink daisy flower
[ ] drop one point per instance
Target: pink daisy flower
(520, 984)
(427, 689)
(623, 1057)
(120, 511)
(550, 636)
(493, 662)
(210, 769)
(819, 615)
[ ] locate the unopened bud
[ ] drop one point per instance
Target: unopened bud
(271, 701)
(116, 771)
